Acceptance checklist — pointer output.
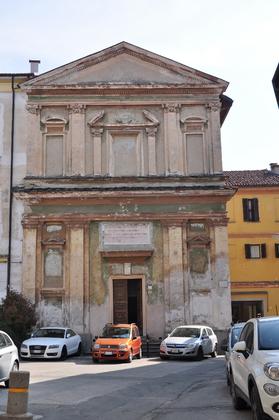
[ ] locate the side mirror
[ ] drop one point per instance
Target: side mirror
(68, 335)
(240, 347)
(161, 338)
(205, 337)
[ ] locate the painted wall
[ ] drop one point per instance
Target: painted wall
(255, 279)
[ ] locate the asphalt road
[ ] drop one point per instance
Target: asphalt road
(146, 389)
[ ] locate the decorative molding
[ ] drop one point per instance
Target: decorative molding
(193, 124)
(151, 131)
(54, 120)
(97, 132)
(150, 117)
(213, 106)
(33, 108)
(171, 107)
(96, 117)
(77, 108)
(199, 240)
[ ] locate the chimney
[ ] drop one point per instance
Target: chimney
(34, 66)
(274, 167)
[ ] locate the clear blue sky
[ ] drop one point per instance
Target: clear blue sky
(235, 40)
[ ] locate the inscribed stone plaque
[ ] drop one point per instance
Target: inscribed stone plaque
(122, 234)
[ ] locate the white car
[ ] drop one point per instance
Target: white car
(233, 337)
(189, 341)
(254, 375)
(8, 357)
(51, 343)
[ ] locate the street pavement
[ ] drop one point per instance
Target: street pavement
(146, 389)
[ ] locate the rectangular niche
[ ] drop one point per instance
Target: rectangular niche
(125, 155)
(53, 268)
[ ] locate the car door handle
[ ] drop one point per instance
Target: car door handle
(238, 356)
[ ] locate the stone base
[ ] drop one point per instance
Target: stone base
(26, 416)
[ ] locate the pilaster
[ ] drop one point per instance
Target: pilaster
(214, 118)
(34, 141)
(29, 262)
(151, 139)
(76, 276)
(77, 118)
(173, 139)
(173, 276)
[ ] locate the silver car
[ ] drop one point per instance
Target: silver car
(189, 341)
(9, 360)
(233, 337)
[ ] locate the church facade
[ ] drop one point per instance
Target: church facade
(124, 201)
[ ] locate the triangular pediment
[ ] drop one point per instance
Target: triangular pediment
(124, 64)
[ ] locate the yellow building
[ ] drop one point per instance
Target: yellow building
(254, 242)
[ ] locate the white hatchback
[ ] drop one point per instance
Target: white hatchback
(8, 357)
(51, 343)
(189, 341)
(254, 376)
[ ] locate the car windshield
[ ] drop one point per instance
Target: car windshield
(116, 332)
(235, 335)
(186, 332)
(49, 333)
(268, 334)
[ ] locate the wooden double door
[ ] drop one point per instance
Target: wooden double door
(127, 301)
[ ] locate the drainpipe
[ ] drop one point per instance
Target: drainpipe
(11, 187)
(13, 76)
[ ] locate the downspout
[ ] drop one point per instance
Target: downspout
(11, 188)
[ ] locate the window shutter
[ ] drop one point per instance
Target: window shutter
(277, 250)
(245, 209)
(255, 207)
(247, 251)
(263, 250)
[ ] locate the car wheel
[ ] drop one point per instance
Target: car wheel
(164, 357)
(139, 355)
(256, 405)
(200, 354)
(64, 353)
(78, 353)
(14, 368)
(130, 357)
(238, 403)
(214, 353)
(94, 360)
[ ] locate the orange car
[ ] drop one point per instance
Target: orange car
(118, 342)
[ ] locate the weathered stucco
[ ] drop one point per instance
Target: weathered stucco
(139, 160)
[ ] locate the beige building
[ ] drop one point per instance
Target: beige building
(124, 201)
(12, 155)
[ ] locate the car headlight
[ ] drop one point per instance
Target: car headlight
(272, 370)
(96, 346)
(123, 346)
(163, 345)
(54, 346)
(24, 346)
(190, 345)
(271, 389)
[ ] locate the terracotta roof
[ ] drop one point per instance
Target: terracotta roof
(252, 178)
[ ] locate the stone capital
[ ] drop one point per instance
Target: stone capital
(213, 106)
(77, 108)
(151, 132)
(33, 109)
(97, 132)
(171, 107)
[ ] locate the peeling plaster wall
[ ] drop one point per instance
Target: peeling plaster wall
(19, 173)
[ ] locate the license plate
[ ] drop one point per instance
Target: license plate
(108, 353)
(175, 351)
(37, 351)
